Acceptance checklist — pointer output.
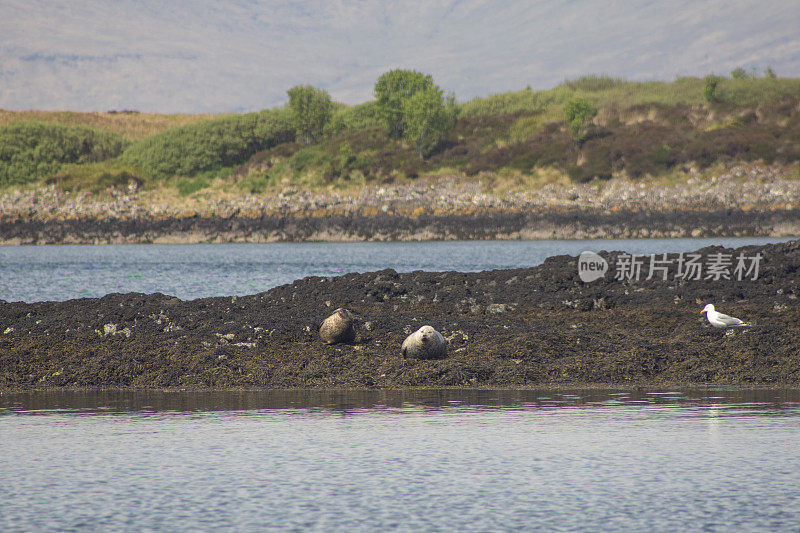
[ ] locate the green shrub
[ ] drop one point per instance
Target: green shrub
(346, 158)
(604, 91)
(96, 177)
(34, 150)
(188, 186)
(578, 112)
(257, 182)
(739, 73)
(526, 127)
(710, 89)
(359, 117)
(310, 158)
(594, 82)
(525, 101)
(748, 91)
(210, 144)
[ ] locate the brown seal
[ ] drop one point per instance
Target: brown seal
(425, 343)
(338, 327)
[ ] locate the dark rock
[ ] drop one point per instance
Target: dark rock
(647, 332)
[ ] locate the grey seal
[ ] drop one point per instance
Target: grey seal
(338, 327)
(425, 343)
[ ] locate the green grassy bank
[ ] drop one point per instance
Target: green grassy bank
(644, 130)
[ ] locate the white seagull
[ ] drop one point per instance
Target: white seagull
(718, 320)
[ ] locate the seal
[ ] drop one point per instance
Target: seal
(338, 327)
(425, 343)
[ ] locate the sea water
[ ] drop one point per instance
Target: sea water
(585, 460)
(62, 272)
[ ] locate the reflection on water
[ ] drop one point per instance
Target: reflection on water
(350, 400)
(421, 460)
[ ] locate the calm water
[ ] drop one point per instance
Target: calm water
(39, 273)
(391, 460)
(385, 460)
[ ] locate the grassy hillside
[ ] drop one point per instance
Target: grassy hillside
(643, 130)
(131, 125)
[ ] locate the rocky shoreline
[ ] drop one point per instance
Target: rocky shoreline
(500, 225)
(531, 327)
(746, 201)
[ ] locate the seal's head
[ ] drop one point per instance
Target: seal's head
(426, 334)
(344, 313)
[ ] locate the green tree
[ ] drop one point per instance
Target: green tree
(739, 73)
(428, 118)
(710, 89)
(392, 89)
(578, 113)
(311, 111)
(769, 73)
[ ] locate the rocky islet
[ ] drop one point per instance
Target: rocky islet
(505, 328)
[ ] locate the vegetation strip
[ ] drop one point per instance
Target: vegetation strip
(591, 128)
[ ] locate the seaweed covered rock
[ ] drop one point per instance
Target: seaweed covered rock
(504, 328)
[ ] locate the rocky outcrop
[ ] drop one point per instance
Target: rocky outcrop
(505, 328)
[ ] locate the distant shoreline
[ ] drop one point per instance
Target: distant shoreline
(446, 208)
(481, 225)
